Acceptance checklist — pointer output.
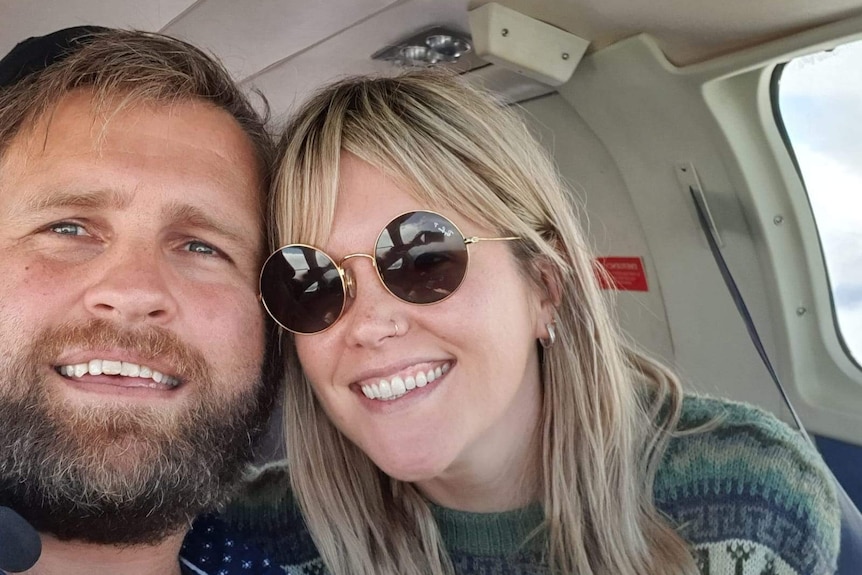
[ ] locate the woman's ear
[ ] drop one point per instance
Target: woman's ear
(550, 291)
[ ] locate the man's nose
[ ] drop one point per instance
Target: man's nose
(130, 285)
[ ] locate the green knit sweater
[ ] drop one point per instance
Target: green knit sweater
(749, 495)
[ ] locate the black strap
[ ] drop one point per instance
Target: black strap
(38, 52)
(740, 305)
(850, 556)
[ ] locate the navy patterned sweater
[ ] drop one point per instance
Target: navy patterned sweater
(749, 495)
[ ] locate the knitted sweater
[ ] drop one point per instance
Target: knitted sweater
(749, 495)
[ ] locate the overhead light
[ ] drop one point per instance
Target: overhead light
(449, 46)
(434, 46)
(417, 56)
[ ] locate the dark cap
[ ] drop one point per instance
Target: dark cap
(39, 52)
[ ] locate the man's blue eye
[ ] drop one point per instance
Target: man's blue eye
(69, 229)
(201, 248)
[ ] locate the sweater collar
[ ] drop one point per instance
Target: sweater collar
(487, 534)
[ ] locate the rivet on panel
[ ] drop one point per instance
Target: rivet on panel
(800, 311)
(505, 32)
(778, 220)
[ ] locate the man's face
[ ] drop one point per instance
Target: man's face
(131, 339)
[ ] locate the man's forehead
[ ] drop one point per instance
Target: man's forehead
(83, 107)
(81, 123)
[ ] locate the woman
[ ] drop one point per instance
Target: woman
(470, 406)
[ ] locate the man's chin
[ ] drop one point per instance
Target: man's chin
(125, 493)
(106, 528)
(89, 466)
(119, 476)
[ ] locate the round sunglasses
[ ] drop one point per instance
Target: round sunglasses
(420, 257)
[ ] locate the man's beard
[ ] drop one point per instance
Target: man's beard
(120, 473)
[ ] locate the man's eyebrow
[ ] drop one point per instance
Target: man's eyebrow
(77, 199)
(175, 213)
(193, 216)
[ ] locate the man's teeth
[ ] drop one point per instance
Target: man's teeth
(123, 368)
(396, 387)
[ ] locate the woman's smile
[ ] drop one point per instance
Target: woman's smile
(397, 386)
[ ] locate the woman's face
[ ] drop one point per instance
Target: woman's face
(484, 406)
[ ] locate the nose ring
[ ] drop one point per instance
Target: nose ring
(395, 323)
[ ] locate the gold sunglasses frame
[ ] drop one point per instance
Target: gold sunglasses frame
(348, 283)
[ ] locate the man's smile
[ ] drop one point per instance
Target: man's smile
(137, 375)
(123, 371)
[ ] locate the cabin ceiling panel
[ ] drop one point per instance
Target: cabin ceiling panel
(688, 31)
(292, 80)
(287, 48)
(20, 19)
(250, 36)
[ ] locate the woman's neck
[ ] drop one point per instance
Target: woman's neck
(77, 558)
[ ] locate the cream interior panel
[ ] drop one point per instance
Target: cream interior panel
(21, 19)
(268, 31)
(651, 118)
(607, 214)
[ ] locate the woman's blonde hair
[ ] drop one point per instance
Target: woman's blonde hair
(607, 410)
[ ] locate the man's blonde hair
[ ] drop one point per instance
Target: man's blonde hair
(123, 67)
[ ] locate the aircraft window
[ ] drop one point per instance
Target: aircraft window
(819, 100)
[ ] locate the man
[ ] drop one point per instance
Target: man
(134, 365)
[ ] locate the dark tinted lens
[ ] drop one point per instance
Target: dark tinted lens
(301, 289)
(421, 257)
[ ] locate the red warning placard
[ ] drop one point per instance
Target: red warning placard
(624, 274)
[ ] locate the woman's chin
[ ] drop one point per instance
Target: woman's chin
(412, 469)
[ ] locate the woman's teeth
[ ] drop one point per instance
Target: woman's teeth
(121, 368)
(389, 389)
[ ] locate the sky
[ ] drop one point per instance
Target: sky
(820, 101)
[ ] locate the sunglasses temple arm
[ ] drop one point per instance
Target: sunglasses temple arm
(475, 239)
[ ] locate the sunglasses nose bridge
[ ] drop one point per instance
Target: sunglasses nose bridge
(349, 278)
(349, 283)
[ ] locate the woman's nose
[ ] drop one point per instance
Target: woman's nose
(370, 307)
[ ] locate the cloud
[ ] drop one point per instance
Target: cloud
(833, 73)
(850, 322)
(829, 124)
(821, 108)
(847, 296)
